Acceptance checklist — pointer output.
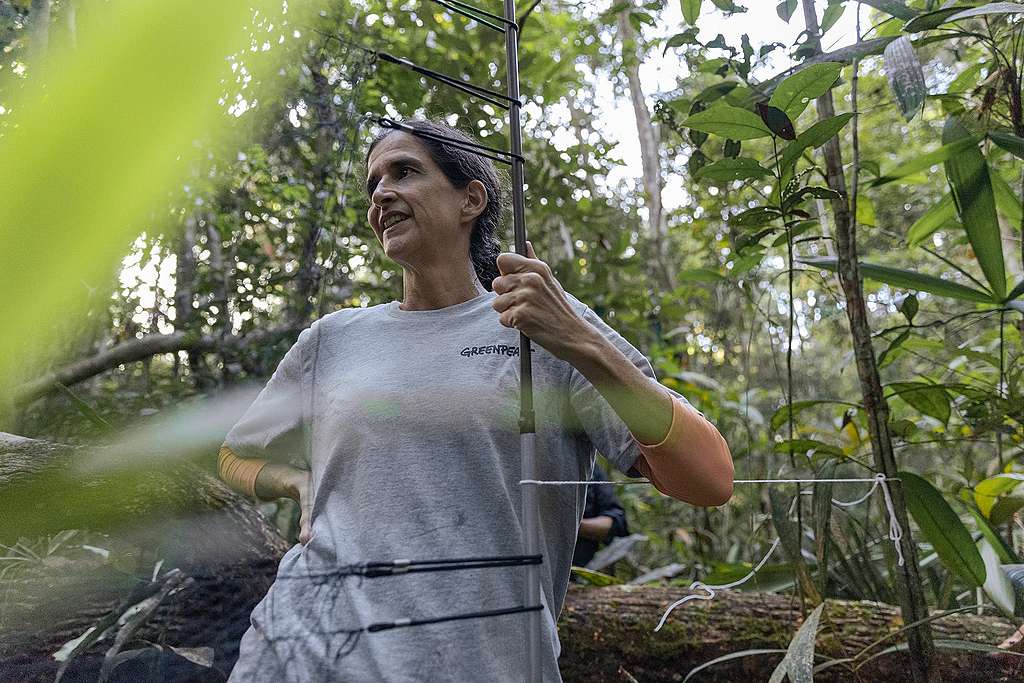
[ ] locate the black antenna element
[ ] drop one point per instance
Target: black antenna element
(492, 96)
(494, 153)
(476, 15)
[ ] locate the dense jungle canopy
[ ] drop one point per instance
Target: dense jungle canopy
(808, 215)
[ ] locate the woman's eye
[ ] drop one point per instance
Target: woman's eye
(404, 171)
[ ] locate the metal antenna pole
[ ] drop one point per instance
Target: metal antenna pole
(527, 429)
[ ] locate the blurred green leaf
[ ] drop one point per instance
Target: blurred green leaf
(938, 215)
(93, 147)
(595, 578)
(987, 10)
(941, 527)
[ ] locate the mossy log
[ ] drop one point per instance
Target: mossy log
(607, 634)
(186, 518)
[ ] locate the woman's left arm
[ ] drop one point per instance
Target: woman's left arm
(682, 453)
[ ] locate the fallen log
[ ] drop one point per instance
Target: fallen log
(227, 553)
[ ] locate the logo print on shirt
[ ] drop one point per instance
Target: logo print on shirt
(494, 349)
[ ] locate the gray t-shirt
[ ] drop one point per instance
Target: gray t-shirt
(414, 452)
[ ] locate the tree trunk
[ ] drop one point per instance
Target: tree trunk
(649, 153)
(908, 579)
(327, 130)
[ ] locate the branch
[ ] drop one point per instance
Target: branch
(139, 349)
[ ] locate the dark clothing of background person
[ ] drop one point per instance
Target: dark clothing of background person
(601, 500)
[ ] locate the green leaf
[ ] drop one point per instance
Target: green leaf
(812, 138)
(1015, 293)
(728, 122)
(781, 416)
(1008, 141)
(907, 279)
(909, 307)
(716, 91)
(965, 80)
(940, 214)
(805, 446)
(997, 585)
(724, 170)
(756, 217)
(892, 7)
(906, 79)
(988, 10)
(929, 399)
(798, 663)
(785, 9)
(1003, 551)
(794, 93)
(926, 161)
(700, 275)
(810, 191)
(930, 20)
(687, 37)
(988, 491)
(830, 16)
(595, 578)
(729, 657)
(1006, 198)
(941, 527)
(971, 186)
(1004, 509)
(865, 211)
(691, 10)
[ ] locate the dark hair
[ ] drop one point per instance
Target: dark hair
(461, 167)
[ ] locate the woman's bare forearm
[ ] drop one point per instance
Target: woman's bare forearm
(279, 481)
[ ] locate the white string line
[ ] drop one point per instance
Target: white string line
(879, 480)
(699, 585)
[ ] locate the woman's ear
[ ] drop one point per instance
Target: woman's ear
(475, 200)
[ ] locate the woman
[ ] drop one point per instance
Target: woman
(413, 447)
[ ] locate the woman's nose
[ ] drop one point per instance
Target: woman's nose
(382, 194)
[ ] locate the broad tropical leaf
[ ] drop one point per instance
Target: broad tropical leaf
(729, 122)
(908, 279)
(930, 20)
(812, 138)
(971, 186)
(988, 10)
(797, 91)
(724, 170)
(1008, 141)
(926, 161)
(941, 527)
(930, 399)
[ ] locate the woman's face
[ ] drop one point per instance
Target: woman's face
(419, 217)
